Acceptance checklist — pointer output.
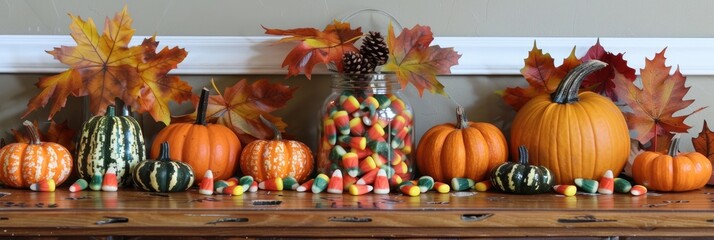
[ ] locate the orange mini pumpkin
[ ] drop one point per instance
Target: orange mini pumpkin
(465, 149)
(673, 172)
(203, 146)
(22, 164)
(278, 158)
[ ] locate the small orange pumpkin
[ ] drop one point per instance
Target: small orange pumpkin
(278, 158)
(22, 164)
(203, 146)
(673, 172)
(465, 149)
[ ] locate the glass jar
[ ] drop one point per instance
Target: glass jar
(367, 124)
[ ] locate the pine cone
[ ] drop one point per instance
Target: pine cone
(354, 63)
(374, 49)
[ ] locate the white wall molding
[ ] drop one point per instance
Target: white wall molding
(259, 55)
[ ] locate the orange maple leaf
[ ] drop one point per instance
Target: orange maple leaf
(654, 104)
(542, 76)
(240, 106)
(415, 62)
(104, 67)
(704, 142)
(326, 46)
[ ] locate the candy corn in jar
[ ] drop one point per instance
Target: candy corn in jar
(366, 123)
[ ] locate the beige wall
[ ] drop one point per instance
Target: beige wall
(447, 18)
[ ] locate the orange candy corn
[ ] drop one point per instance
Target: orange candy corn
(275, 184)
(44, 186)
(306, 186)
(567, 190)
(356, 189)
(606, 183)
(336, 184)
(381, 183)
(205, 187)
(109, 182)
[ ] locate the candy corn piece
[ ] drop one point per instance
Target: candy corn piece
(375, 132)
(587, 185)
(379, 147)
(96, 182)
(398, 124)
(347, 181)
(232, 181)
(342, 122)
(367, 165)
(638, 190)
(407, 148)
(253, 187)
(109, 181)
(410, 190)
(381, 183)
(606, 183)
(235, 190)
(442, 187)
(219, 186)
(379, 160)
(205, 187)
(320, 183)
(362, 153)
(336, 184)
(275, 184)
(330, 129)
(349, 103)
(461, 184)
(567, 190)
(336, 153)
(350, 163)
(78, 185)
(367, 178)
(483, 186)
(44, 186)
(622, 185)
(425, 183)
(356, 189)
(246, 181)
(396, 159)
(356, 127)
(370, 104)
(398, 139)
(358, 143)
(382, 100)
(396, 180)
(397, 105)
(305, 186)
(290, 183)
(401, 168)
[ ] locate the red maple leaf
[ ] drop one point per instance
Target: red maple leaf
(603, 81)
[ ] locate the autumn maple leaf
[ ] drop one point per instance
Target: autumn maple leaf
(240, 106)
(415, 62)
(542, 76)
(603, 81)
(326, 46)
(104, 67)
(654, 105)
(704, 142)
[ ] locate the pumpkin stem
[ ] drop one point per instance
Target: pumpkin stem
(523, 155)
(674, 147)
(567, 90)
(202, 106)
(461, 121)
(34, 135)
(111, 112)
(278, 135)
(164, 152)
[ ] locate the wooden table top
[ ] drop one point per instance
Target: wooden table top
(293, 214)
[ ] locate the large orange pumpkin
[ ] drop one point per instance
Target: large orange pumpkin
(672, 172)
(465, 149)
(22, 164)
(203, 146)
(277, 158)
(575, 135)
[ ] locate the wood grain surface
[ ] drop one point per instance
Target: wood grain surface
(293, 214)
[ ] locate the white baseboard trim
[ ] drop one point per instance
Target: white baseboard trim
(260, 55)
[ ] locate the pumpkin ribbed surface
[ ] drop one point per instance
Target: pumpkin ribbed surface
(163, 174)
(671, 173)
(579, 137)
(267, 159)
(110, 140)
(22, 164)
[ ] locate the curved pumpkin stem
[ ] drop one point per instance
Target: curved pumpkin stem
(111, 111)
(34, 135)
(202, 106)
(278, 135)
(461, 121)
(523, 155)
(674, 147)
(164, 152)
(567, 90)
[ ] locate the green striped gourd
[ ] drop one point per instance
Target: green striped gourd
(163, 174)
(520, 177)
(110, 140)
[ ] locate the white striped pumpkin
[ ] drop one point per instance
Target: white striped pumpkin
(163, 174)
(110, 140)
